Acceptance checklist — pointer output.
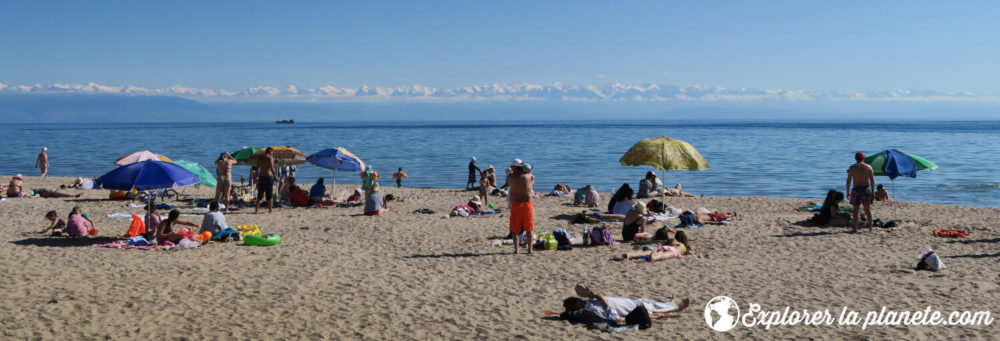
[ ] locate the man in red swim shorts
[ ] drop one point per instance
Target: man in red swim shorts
(522, 215)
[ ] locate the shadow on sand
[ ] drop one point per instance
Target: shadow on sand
(973, 241)
(977, 256)
(63, 241)
(459, 255)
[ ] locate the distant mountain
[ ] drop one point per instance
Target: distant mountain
(28, 108)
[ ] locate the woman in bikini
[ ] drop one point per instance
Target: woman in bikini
(670, 249)
(54, 193)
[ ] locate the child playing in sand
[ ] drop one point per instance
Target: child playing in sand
(79, 224)
(399, 176)
(56, 226)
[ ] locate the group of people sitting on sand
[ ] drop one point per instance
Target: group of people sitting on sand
(77, 224)
(651, 186)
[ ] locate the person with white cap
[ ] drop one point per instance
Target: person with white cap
(473, 170)
(42, 162)
(522, 215)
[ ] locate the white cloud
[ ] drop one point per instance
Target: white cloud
(511, 92)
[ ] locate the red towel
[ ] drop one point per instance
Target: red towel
(951, 233)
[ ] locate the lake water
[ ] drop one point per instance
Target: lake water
(786, 159)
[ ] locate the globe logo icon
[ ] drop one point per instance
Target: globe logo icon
(721, 313)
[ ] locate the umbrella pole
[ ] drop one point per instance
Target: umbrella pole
(894, 213)
(333, 191)
(663, 191)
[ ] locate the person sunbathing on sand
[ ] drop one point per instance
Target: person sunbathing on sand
(166, 229)
(561, 190)
(54, 193)
(676, 192)
(584, 217)
(713, 217)
(671, 248)
(607, 309)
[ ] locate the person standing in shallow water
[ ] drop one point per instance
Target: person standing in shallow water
(42, 162)
(863, 177)
(473, 170)
(399, 176)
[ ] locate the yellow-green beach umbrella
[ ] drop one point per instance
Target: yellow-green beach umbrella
(664, 153)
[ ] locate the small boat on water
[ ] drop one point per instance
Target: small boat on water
(284, 121)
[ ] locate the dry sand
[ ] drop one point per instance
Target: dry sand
(339, 275)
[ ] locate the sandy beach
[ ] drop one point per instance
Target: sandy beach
(340, 275)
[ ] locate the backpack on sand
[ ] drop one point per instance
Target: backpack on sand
(601, 236)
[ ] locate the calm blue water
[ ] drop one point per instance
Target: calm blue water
(784, 159)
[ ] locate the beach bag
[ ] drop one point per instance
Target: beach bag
(563, 238)
(578, 197)
(548, 241)
(601, 236)
(929, 260)
(137, 227)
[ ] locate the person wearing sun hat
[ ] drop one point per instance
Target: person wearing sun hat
(374, 201)
(473, 170)
(475, 203)
(634, 227)
(522, 215)
(15, 188)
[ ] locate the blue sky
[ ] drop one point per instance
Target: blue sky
(856, 46)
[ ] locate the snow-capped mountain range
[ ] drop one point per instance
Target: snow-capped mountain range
(505, 92)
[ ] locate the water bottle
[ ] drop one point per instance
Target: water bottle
(586, 236)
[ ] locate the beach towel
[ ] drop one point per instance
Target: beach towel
(662, 216)
(124, 244)
(120, 215)
(951, 233)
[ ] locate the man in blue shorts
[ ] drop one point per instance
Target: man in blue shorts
(863, 177)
